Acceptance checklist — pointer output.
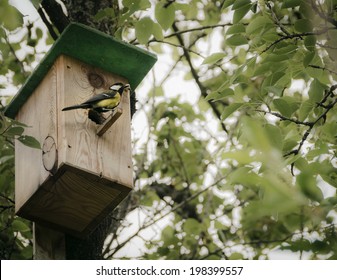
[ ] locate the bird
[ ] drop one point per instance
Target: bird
(103, 102)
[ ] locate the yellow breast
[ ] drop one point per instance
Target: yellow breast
(109, 103)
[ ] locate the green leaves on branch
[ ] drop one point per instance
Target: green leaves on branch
(145, 28)
(241, 8)
(11, 129)
(10, 17)
(164, 14)
(214, 58)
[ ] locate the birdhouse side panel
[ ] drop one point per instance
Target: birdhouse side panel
(80, 145)
(33, 166)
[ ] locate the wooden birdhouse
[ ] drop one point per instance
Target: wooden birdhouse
(84, 169)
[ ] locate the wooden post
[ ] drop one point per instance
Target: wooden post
(48, 244)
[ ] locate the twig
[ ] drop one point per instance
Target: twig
(196, 77)
(322, 14)
(179, 32)
(322, 68)
(308, 131)
(7, 198)
(292, 36)
(279, 24)
(154, 221)
(283, 118)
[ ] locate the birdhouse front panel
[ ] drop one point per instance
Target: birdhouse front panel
(108, 155)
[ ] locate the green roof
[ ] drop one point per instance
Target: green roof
(92, 47)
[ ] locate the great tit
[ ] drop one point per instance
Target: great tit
(103, 102)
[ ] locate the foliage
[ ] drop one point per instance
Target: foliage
(250, 168)
(16, 234)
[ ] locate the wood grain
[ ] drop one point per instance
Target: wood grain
(39, 113)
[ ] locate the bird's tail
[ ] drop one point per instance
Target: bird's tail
(81, 106)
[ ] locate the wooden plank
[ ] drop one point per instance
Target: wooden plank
(39, 113)
(48, 244)
(109, 121)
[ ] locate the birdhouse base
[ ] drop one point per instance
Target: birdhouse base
(73, 201)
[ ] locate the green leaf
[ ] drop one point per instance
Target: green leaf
(20, 226)
(241, 11)
(237, 40)
(241, 156)
(29, 141)
(305, 109)
(291, 3)
(308, 185)
(236, 28)
(104, 13)
(157, 31)
(230, 109)
(236, 256)
(275, 136)
(149, 198)
(303, 25)
(192, 226)
(15, 131)
(218, 95)
(10, 17)
(240, 4)
(165, 16)
(310, 42)
(286, 105)
(214, 58)
(144, 29)
(316, 91)
(308, 58)
(167, 233)
(255, 134)
(258, 24)
(227, 3)
(136, 5)
(39, 33)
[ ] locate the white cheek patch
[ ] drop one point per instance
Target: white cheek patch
(115, 87)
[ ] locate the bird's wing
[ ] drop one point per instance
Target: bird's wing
(100, 97)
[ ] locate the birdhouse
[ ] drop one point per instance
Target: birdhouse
(84, 169)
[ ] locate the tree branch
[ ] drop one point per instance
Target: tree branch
(56, 14)
(283, 118)
(293, 36)
(322, 14)
(323, 116)
(195, 75)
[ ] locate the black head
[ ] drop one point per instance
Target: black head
(120, 87)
